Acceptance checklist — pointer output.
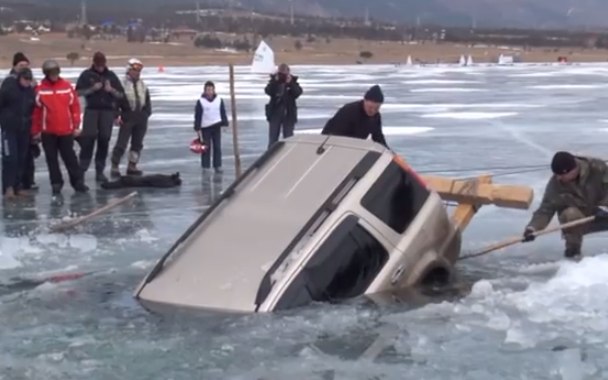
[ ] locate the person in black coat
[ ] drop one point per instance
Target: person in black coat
(282, 110)
(20, 61)
(103, 92)
(17, 101)
(359, 119)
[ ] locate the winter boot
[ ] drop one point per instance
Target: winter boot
(132, 169)
(115, 171)
(81, 187)
(573, 253)
(219, 170)
(32, 187)
(100, 177)
(9, 193)
(56, 189)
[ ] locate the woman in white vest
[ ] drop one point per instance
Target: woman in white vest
(135, 110)
(209, 118)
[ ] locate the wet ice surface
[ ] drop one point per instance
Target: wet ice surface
(533, 316)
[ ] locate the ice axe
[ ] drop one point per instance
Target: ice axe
(517, 240)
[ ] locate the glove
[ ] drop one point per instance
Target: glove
(35, 149)
(528, 235)
(601, 212)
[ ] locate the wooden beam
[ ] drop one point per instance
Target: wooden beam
(464, 212)
(473, 192)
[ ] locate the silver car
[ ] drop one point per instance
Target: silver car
(315, 219)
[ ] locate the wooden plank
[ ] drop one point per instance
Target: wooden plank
(464, 212)
(473, 192)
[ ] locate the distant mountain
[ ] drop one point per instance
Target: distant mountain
(516, 13)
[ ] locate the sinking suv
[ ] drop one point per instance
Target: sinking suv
(315, 219)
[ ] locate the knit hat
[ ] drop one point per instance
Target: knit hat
(374, 94)
(209, 84)
(99, 58)
(19, 57)
(562, 163)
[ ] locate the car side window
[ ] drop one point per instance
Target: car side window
(395, 198)
(343, 267)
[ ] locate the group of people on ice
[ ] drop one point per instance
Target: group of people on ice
(48, 114)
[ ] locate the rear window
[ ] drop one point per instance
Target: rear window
(343, 267)
(395, 198)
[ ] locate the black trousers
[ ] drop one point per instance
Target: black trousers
(61, 146)
(133, 130)
(275, 126)
(96, 128)
(212, 136)
(15, 145)
(27, 180)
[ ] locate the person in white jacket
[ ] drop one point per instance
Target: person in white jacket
(209, 119)
(135, 109)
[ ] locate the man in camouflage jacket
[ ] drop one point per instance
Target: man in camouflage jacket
(578, 189)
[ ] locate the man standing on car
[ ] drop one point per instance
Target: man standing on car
(359, 119)
(102, 90)
(135, 110)
(282, 110)
(56, 121)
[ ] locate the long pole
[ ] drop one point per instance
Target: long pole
(107, 207)
(235, 127)
(518, 239)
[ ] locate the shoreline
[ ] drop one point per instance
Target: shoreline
(337, 52)
(158, 62)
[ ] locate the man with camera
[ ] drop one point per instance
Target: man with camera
(282, 110)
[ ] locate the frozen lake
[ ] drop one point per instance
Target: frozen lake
(453, 121)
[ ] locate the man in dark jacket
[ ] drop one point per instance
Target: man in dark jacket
(359, 119)
(577, 189)
(282, 110)
(17, 101)
(102, 90)
(20, 61)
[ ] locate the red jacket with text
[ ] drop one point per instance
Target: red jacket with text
(57, 109)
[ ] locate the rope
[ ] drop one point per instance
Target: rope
(479, 169)
(513, 170)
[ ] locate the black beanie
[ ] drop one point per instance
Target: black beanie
(19, 57)
(374, 94)
(99, 59)
(562, 163)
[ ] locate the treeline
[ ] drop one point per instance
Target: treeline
(328, 28)
(245, 23)
(209, 41)
(531, 38)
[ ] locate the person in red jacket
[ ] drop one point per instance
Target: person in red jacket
(56, 121)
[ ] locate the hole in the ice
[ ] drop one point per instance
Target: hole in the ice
(437, 276)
